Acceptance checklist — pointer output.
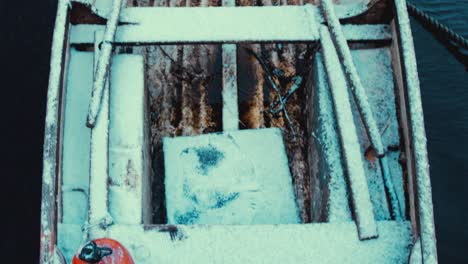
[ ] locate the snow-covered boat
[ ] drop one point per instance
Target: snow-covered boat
(236, 132)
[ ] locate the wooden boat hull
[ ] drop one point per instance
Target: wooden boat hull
(180, 114)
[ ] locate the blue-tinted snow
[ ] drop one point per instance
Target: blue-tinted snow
(239, 177)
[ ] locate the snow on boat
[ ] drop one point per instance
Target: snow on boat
(235, 132)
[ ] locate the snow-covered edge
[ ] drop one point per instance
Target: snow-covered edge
(352, 75)
(99, 159)
(272, 244)
(363, 209)
(338, 203)
(103, 64)
(423, 181)
(91, 5)
(344, 11)
(83, 34)
(361, 100)
(49, 172)
(229, 93)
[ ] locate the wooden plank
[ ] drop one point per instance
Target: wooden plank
(102, 67)
(344, 11)
(404, 122)
(76, 139)
(82, 34)
(418, 135)
(129, 176)
(362, 206)
(221, 24)
(272, 244)
(225, 24)
(51, 138)
(99, 159)
(230, 106)
(362, 102)
(332, 174)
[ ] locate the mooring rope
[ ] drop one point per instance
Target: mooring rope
(439, 27)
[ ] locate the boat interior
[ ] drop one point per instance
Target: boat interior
(227, 137)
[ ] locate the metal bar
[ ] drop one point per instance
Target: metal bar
(362, 205)
(103, 64)
(361, 100)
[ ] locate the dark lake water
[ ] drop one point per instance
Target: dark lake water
(26, 40)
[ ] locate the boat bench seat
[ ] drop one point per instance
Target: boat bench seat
(242, 244)
(120, 172)
(129, 160)
(237, 177)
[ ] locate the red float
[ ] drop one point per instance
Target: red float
(103, 251)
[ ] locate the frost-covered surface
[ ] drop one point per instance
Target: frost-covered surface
(230, 104)
(101, 8)
(103, 63)
(99, 158)
(84, 34)
(58, 257)
(338, 208)
(128, 178)
(104, 6)
(325, 243)
(76, 138)
(349, 141)
(126, 148)
(374, 68)
(233, 244)
(70, 238)
(351, 9)
(362, 102)
(367, 32)
(228, 2)
(343, 11)
(239, 177)
(344, 8)
(423, 182)
(49, 175)
(351, 74)
(375, 71)
(229, 24)
(416, 254)
(379, 88)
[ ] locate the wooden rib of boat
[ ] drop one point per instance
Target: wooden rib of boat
(236, 132)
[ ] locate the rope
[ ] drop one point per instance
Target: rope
(440, 28)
